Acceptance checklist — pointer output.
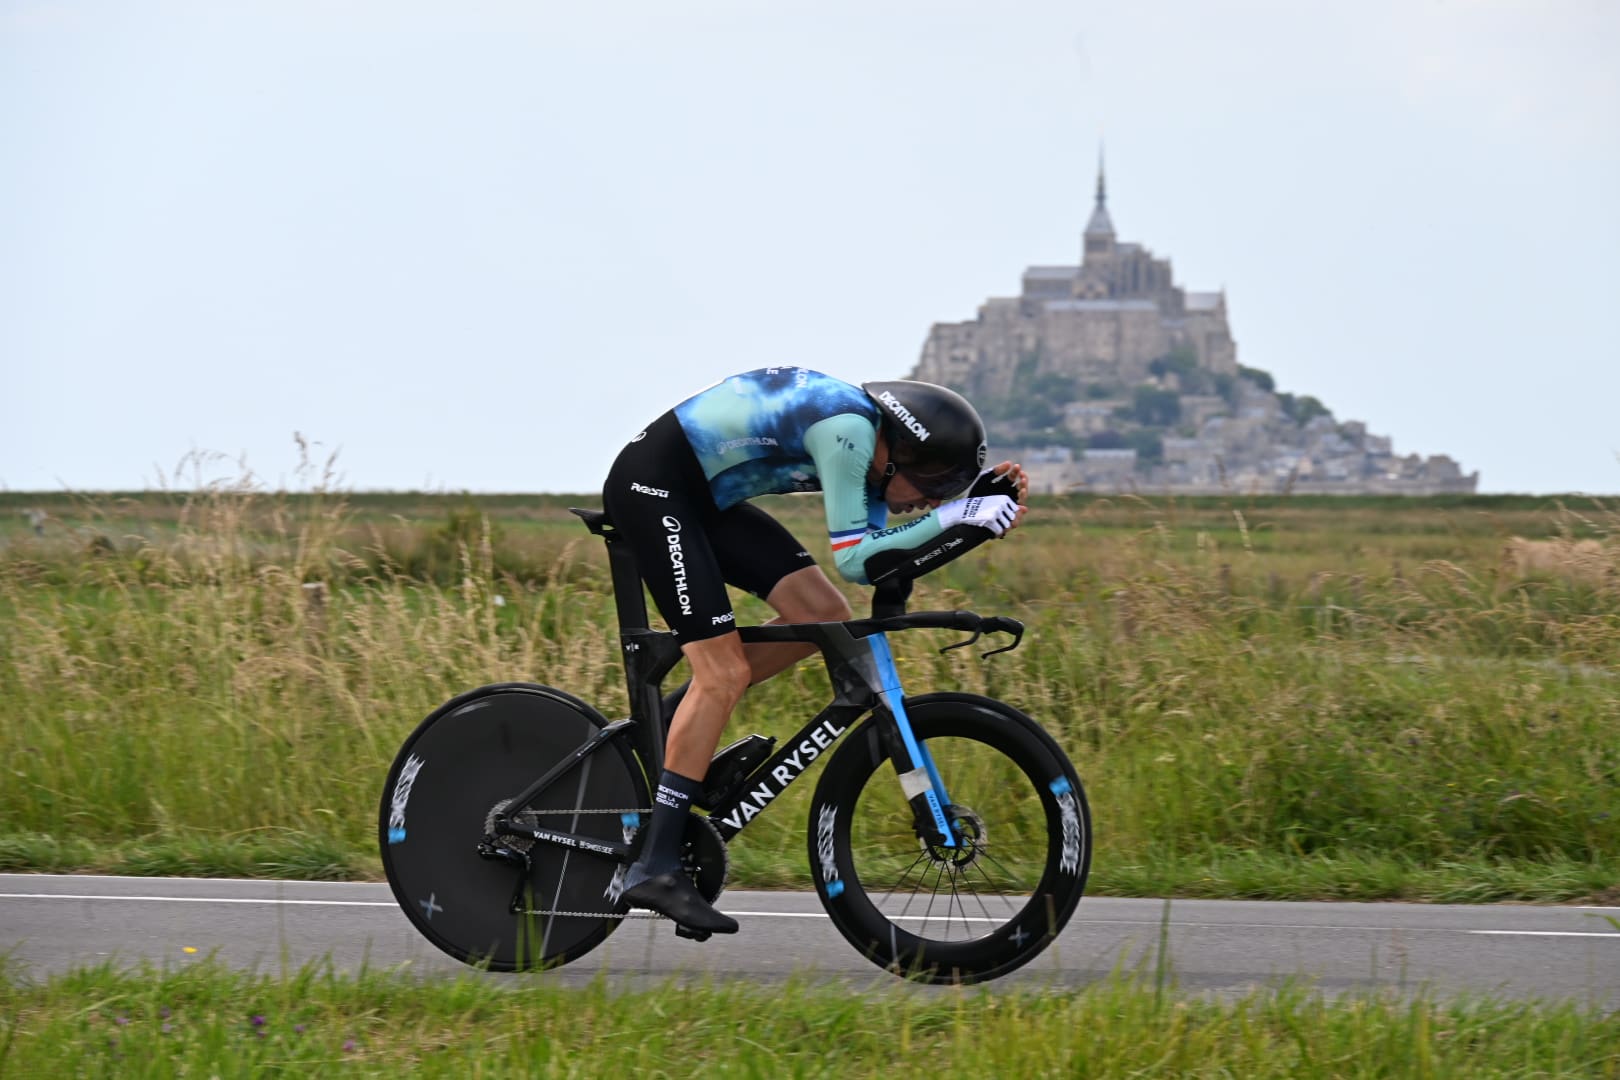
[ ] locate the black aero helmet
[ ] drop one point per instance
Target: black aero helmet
(935, 436)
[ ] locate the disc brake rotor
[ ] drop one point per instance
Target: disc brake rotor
(971, 838)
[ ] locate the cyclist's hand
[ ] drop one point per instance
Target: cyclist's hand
(1007, 479)
(998, 513)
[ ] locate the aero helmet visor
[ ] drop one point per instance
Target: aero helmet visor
(944, 483)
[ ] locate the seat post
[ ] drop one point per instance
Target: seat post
(648, 654)
(628, 598)
(627, 595)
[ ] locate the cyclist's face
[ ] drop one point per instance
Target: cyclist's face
(903, 496)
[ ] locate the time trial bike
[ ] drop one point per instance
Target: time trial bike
(949, 836)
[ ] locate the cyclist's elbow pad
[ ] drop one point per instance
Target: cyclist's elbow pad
(850, 565)
(930, 555)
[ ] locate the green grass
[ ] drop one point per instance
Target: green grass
(205, 1020)
(1282, 697)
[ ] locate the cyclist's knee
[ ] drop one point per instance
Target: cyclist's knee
(828, 608)
(719, 668)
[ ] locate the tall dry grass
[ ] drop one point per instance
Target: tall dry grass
(1259, 696)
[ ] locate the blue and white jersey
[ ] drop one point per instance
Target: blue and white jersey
(784, 429)
(748, 431)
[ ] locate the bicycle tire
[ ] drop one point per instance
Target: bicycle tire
(1009, 887)
(452, 773)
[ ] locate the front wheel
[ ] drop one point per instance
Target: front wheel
(974, 910)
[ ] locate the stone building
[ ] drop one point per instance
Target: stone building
(1075, 371)
(1103, 321)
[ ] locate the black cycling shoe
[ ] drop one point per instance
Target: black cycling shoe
(674, 895)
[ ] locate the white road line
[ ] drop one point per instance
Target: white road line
(347, 903)
(1544, 933)
(200, 899)
(1346, 927)
(822, 915)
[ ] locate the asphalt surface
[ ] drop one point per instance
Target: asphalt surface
(50, 924)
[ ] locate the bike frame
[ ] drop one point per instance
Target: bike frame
(864, 679)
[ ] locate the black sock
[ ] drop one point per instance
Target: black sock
(661, 851)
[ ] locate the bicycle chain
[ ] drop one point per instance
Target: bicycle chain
(633, 913)
(562, 812)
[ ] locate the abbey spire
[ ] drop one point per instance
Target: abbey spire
(1099, 235)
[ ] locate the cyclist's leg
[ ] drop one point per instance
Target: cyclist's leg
(720, 674)
(656, 880)
(661, 506)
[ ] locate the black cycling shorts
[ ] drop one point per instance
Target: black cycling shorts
(686, 548)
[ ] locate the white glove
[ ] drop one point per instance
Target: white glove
(994, 512)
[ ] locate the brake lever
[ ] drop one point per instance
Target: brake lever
(997, 625)
(1006, 626)
(977, 634)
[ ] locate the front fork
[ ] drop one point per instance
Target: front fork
(919, 776)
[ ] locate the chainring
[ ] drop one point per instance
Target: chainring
(704, 857)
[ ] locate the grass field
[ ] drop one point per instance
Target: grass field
(205, 1020)
(1281, 697)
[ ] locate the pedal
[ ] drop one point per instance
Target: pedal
(695, 935)
(730, 767)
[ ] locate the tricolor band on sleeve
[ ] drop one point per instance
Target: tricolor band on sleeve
(847, 539)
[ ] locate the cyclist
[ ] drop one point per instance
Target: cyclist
(677, 493)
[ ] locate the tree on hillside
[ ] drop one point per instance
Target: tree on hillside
(1262, 379)
(1303, 408)
(1105, 440)
(1153, 407)
(1148, 446)
(1052, 387)
(1180, 367)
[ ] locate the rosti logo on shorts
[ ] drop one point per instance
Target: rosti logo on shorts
(662, 493)
(677, 561)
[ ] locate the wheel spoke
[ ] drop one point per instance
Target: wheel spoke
(980, 900)
(961, 907)
(920, 860)
(1011, 878)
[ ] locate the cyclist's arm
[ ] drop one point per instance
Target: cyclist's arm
(842, 448)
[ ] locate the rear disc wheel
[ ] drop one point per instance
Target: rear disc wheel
(461, 766)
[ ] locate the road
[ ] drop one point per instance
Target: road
(50, 924)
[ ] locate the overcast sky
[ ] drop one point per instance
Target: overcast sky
(476, 245)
